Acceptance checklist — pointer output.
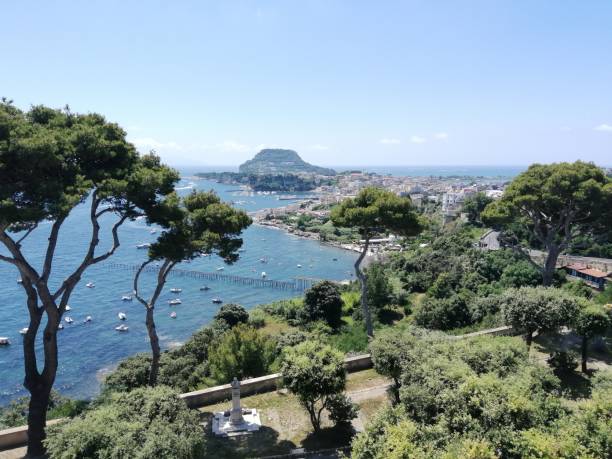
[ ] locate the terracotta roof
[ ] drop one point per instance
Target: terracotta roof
(583, 269)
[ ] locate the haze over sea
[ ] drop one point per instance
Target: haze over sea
(87, 351)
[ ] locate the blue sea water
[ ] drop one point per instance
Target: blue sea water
(89, 350)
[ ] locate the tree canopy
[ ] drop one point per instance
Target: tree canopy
(323, 302)
(555, 203)
(50, 162)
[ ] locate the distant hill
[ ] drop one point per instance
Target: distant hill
(278, 161)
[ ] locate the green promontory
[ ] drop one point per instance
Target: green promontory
(278, 161)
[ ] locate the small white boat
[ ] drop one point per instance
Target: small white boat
(263, 260)
(217, 300)
(173, 315)
(153, 231)
(23, 331)
(176, 290)
(68, 319)
(126, 298)
(174, 302)
(122, 316)
(220, 268)
(68, 308)
(122, 328)
(87, 319)
(90, 285)
(4, 341)
(299, 266)
(145, 245)
(60, 327)
(263, 274)
(204, 288)
(19, 281)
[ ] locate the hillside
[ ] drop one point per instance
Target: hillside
(279, 161)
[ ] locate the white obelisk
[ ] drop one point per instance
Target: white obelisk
(236, 413)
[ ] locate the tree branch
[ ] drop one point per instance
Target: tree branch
(136, 277)
(53, 236)
(28, 232)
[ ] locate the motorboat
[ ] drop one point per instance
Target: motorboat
(217, 300)
(204, 288)
(299, 266)
(176, 290)
(263, 260)
(220, 268)
(122, 316)
(4, 341)
(144, 245)
(60, 327)
(20, 281)
(153, 231)
(23, 331)
(174, 302)
(90, 285)
(122, 328)
(68, 308)
(126, 298)
(68, 319)
(173, 315)
(263, 275)
(87, 319)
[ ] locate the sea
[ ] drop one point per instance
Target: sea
(90, 350)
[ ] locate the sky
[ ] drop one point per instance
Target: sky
(353, 82)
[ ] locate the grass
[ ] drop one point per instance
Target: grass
(286, 426)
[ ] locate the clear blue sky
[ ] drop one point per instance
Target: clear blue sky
(342, 82)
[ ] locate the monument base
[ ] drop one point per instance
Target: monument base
(223, 427)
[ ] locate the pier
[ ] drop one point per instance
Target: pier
(298, 284)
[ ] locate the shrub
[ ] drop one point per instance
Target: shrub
(257, 318)
(145, 423)
(443, 314)
(323, 302)
(315, 373)
(232, 314)
(563, 361)
(241, 352)
(341, 409)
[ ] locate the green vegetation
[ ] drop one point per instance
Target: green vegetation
(590, 321)
(553, 204)
(474, 205)
(241, 352)
(51, 161)
(372, 211)
(16, 413)
(145, 423)
(483, 398)
(315, 374)
(323, 302)
(194, 225)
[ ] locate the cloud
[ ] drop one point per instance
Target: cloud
(604, 127)
(148, 143)
(318, 147)
(441, 135)
(418, 139)
(386, 141)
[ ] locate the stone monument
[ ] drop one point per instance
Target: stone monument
(237, 421)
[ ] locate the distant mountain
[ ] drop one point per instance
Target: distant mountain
(278, 161)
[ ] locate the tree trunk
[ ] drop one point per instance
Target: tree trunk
(39, 385)
(364, 289)
(155, 349)
(585, 344)
(528, 340)
(314, 420)
(37, 419)
(550, 266)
